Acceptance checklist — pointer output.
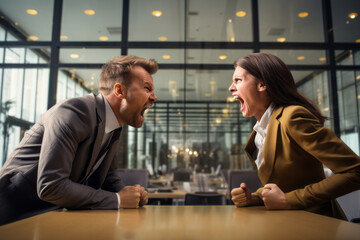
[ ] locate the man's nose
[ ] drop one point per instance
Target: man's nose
(154, 98)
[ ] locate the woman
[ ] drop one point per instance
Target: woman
(289, 144)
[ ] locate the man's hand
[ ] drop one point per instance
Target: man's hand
(274, 197)
(130, 197)
(143, 195)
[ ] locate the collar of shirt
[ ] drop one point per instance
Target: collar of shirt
(111, 122)
(261, 127)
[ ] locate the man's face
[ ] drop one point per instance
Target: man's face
(139, 97)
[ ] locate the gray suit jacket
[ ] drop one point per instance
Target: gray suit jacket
(53, 161)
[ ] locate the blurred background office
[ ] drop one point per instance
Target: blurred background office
(53, 49)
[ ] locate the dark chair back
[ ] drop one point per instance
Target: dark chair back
(204, 199)
(131, 177)
(181, 175)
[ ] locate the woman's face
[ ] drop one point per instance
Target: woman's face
(250, 92)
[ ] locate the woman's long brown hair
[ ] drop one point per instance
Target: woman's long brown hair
(278, 80)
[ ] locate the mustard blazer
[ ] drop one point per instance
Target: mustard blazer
(296, 147)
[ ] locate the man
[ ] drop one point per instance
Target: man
(68, 158)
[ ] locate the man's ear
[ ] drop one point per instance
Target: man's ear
(120, 90)
(261, 86)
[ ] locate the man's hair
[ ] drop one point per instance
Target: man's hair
(279, 82)
(118, 69)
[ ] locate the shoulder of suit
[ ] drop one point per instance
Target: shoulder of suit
(292, 111)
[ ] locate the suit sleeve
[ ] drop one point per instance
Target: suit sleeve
(63, 131)
(326, 147)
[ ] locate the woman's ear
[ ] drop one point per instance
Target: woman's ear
(261, 86)
(120, 90)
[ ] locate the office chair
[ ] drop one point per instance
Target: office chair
(131, 177)
(250, 177)
(204, 198)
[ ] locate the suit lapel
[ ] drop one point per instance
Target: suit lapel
(269, 150)
(100, 131)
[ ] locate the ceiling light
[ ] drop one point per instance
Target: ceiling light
(241, 14)
(218, 120)
(162, 38)
(32, 38)
(303, 14)
(281, 39)
(300, 58)
(157, 13)
(232, 39)
(230, 99)
(207, 94)
(104, 38)
(89, 12)
(64, 37)
(172, 82)
(222, 57)
(73, 55)
(352, 15)
(166, 56)
(212, 82)
(230, 20)
(357, 40)
(32, 11)
(225, 111)
(322, 59)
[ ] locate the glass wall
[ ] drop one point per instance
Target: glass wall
(46, 57)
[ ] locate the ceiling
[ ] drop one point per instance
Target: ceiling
(206, 21)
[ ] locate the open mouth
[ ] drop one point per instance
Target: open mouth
(144, 109)
(240, 100)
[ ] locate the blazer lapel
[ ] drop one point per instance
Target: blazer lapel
(100, 131)
(269, 150)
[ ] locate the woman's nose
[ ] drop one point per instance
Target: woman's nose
(231, 88)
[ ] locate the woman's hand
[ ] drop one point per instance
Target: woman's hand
(274, 198)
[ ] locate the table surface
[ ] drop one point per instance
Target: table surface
(180, 222)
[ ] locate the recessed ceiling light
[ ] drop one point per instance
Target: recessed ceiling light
(230, 99)
(232, 39)
(73, 55)
(352, 15)
(241, 14)
(172, 82)
(104, 38)
(207, 94)
(322, 59)
(64, 37)
(357, 40)
(222, 57)
(162, 38)
(32, 38)
(300, 58)
(89, 12)
(166, 56)
(212, 82)
(31, 11)
(157, 13)
(230, 20)
(218, 120)
(303, 14)
(281, 39)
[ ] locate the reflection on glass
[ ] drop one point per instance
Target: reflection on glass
(345, 18)
(144, 26)
(91, 20)
(291, 21)
(215, 56)
(76, 82)
(34, 25)
(160, 55)
(299, 57)
(226, 21)
(85, 55)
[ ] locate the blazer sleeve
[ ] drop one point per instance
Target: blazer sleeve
(67, 128)
(322, 143)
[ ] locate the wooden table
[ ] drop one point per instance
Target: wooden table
(180, 222)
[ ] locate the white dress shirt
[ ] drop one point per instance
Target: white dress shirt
(261, 128)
